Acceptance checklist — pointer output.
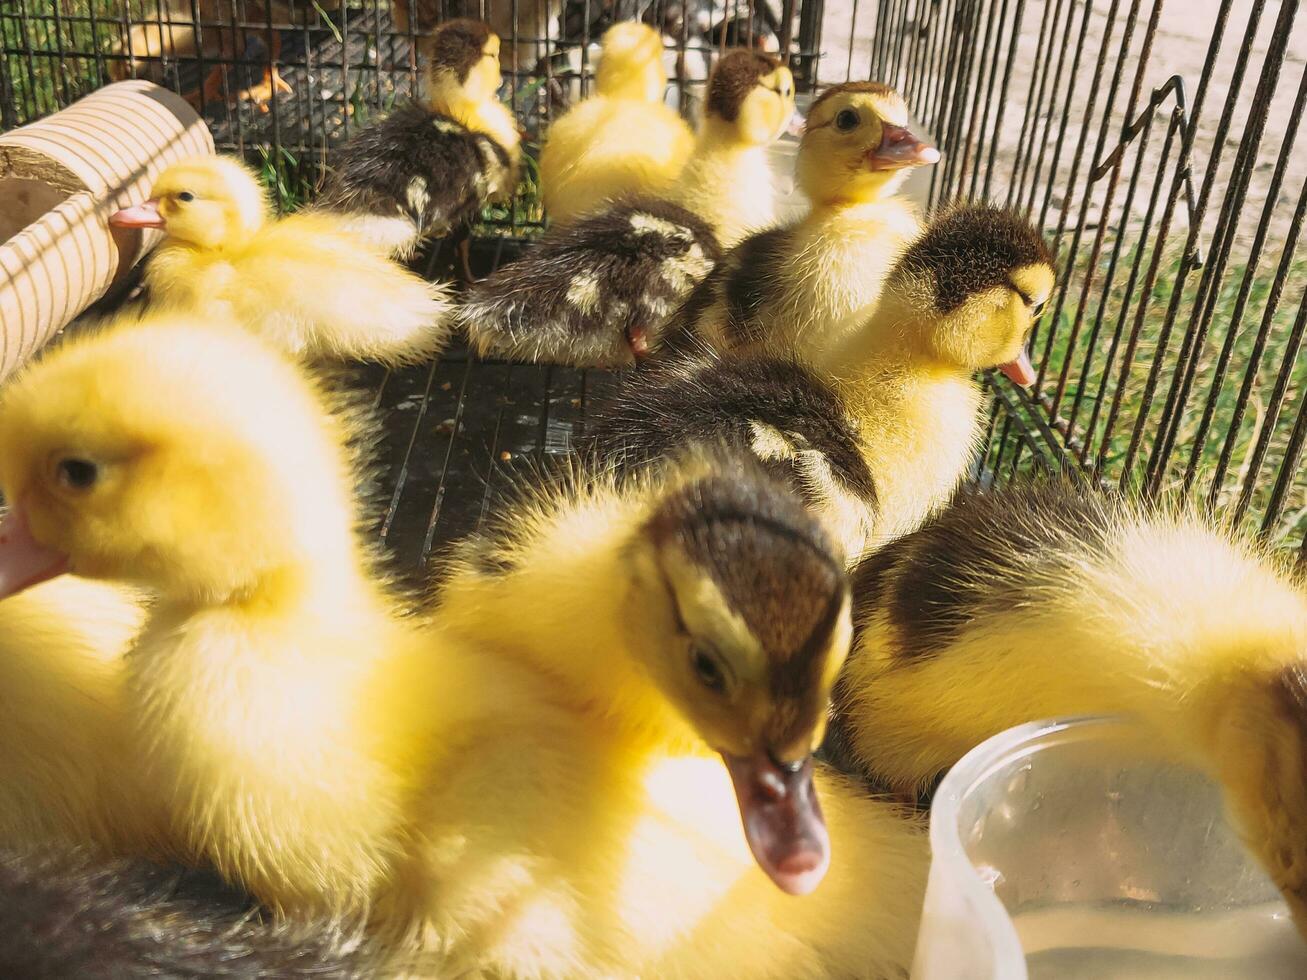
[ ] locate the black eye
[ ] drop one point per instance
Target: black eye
(77, 474)
(1036, 309)
(708, 670)
(845, 120)
(185, 196)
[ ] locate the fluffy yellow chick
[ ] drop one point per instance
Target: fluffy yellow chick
(621, 141)
(195, 461)
(65, 761)
(654, 809)
(304, 282)
(728, 179)
(1047, 600)
(806, 287)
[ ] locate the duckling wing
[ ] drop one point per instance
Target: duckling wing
(773, 407)
(597, 293)
(747, 287)
(312, 287)
(414, 175)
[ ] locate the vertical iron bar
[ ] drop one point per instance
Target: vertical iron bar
(1241, 303)
(1182, 173)
(1160, 450)
(1129, 298)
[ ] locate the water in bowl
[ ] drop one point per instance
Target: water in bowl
(1140, 942)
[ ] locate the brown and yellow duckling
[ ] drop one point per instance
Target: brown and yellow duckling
(623, 140)
(806, 287)
(428, 168)
(1046, 599)
(878, 439)
(682, 630)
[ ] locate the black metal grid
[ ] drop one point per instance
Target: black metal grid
(1170, 357)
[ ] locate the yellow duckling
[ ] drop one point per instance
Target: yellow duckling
(1046, 600)
(806, 287)
(877, 435)
(305, 283)
(65, 773)
(682, 632)
(193, 460)
(427, 170)
(621, 141)
(728, 179)
(963, 298)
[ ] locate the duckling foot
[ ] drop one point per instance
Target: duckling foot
(638, 339)
(264, 92)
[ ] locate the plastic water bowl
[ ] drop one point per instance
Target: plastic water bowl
(1070, 849)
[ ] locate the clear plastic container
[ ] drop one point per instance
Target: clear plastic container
(1070, 849)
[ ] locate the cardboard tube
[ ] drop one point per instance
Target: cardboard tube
(60, 179)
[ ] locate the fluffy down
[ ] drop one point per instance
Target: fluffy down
(595, 294)
(65, 914)
(605, 149)
(306, 284)
(1047, 600)
(773, 407)
(65, 770)
(416, 174)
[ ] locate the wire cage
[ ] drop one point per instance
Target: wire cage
(1153, 142)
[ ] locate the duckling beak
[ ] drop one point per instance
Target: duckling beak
(782, 820)
(144, 215)
(900, 148)
(1021, 370)
(24, 562)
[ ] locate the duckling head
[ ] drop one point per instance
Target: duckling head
(464, 65)
(170, 454)
(631, 63)
(857, 146)
(750, 624)
(208, 202)
(750, 97)
(968, 291)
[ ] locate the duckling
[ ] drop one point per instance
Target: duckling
(808, 286)
(900, 397)
(304, 282)
(257, 694)
(65, 775)
(1048, 600)
(623, 140)
(653, 809)
(728, 179)
(594, 294)
(428, 169)
(599, 293)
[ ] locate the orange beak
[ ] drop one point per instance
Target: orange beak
(24, 562)
(144, 215)
(1021, 370)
